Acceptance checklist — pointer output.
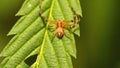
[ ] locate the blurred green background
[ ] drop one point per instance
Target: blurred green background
(99, 44)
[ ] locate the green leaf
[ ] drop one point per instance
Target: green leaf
(32, 36)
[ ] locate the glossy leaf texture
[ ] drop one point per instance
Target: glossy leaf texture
(32, 36)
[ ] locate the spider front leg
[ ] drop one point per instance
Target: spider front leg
(70, 26)
(41, 13)
(76, 19)
(42, 16)
(76, 22)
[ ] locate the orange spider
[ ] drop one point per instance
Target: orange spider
(60, 25)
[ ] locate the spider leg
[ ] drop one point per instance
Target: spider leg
(68, 21)
(76, 16)
(67, 34)
(53, 35)
(76, 19)
(43, 17)
(66, 24)
(51, 28)
(41, 13)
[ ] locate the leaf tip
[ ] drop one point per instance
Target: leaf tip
(11, 33)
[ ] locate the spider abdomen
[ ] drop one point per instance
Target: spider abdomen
(59, 32)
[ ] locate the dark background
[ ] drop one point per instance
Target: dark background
(99, 44)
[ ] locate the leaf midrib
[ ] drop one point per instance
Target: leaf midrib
(45, 36)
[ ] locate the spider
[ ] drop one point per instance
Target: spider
(61, 24)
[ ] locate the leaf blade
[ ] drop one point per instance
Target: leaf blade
(31, 38)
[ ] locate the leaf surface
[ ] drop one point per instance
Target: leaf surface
(32, 36)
